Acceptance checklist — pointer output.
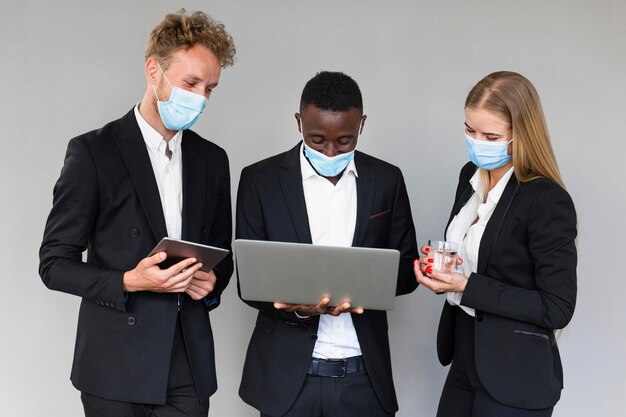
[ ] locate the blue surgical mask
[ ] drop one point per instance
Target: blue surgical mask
(487, 155)
(182, 109)
(327, 166)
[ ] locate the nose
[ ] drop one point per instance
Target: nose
(331, 150)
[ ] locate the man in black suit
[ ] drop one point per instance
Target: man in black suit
(316, 360)
(144, 344)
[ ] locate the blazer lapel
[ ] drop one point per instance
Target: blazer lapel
(290, 177)
(133, 149)
(365, 186)
(194, 187)
(488, 240)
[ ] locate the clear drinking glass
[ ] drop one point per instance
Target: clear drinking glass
(444, 254)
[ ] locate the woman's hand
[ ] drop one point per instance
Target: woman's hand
(437, 281)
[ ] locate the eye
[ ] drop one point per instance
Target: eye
(492, 138)
(190, 85)
(469, 130)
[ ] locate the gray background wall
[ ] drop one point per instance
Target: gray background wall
(71, 66)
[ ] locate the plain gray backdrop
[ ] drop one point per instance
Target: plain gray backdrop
(71, 66)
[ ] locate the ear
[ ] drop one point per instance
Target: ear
(152, 71)
(362, 123)
(298, 121)
(509, 149)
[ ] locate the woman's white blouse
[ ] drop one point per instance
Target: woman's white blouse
(468, 233)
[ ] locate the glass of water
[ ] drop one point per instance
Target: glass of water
(444, 254)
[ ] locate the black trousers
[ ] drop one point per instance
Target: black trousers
(182, 399)
(350, 396)
(463, 395)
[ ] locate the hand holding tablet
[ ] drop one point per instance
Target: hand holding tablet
(177, 250)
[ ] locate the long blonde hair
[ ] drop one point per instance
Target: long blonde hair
(514, 97)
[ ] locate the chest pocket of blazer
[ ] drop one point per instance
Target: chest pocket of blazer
(379, 219)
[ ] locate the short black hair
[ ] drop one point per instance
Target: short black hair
(334, 91)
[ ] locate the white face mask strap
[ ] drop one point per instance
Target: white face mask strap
(166, 79)
(155, 93)
(163, 72)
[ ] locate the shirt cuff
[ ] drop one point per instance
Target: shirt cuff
(301, 317)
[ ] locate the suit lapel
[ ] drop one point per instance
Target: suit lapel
(488, 240)
(290, 176)
(194, 187)
(365, 186)
(133, 149)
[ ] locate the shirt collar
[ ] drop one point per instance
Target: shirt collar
(496, 192)
(308, 171)
(154, 140)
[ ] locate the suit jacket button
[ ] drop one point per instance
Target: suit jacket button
(134, 232)
(313, 337)
(479, 316)
(203, 230)
(131, 321)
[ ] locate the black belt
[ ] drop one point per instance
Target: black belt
(336, 368)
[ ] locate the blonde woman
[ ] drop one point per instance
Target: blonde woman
(515, 224)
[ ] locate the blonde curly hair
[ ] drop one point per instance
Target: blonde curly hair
(183, 30)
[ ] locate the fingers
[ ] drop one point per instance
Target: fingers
(323, 304)
(197, 292)
(205, 276)
(322, 308)
(153, 260)
(179, 281)
(344, 307)
(425, 249)
(202, 287)
(180, 266)
(301, 309)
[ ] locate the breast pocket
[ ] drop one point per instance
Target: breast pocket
(379, 219)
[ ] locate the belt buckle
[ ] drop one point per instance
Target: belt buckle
(344, 367)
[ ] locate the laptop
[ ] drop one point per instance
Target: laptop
(299, 273)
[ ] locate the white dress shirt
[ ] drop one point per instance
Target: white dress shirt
(463, 229)
(331, 211)
(167, 172)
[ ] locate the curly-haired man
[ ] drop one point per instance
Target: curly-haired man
(144, 344)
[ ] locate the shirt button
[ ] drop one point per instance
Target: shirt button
(313, 337)
(131, 321)
(134, 232)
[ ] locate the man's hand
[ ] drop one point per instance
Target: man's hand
(322, 308)
(201, 285)
(147, 276)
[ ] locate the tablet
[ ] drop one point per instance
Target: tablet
(300, 273)
(177, 250)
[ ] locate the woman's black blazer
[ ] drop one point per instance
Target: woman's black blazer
(525, 288)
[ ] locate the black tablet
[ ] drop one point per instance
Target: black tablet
(177, 250)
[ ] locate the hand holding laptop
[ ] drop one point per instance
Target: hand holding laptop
(322, 308)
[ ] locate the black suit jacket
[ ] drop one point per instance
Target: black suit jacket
(107, 201)
(525, 288)
(271, 206)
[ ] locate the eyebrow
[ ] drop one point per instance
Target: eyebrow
(486, 133)
(195, 78)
